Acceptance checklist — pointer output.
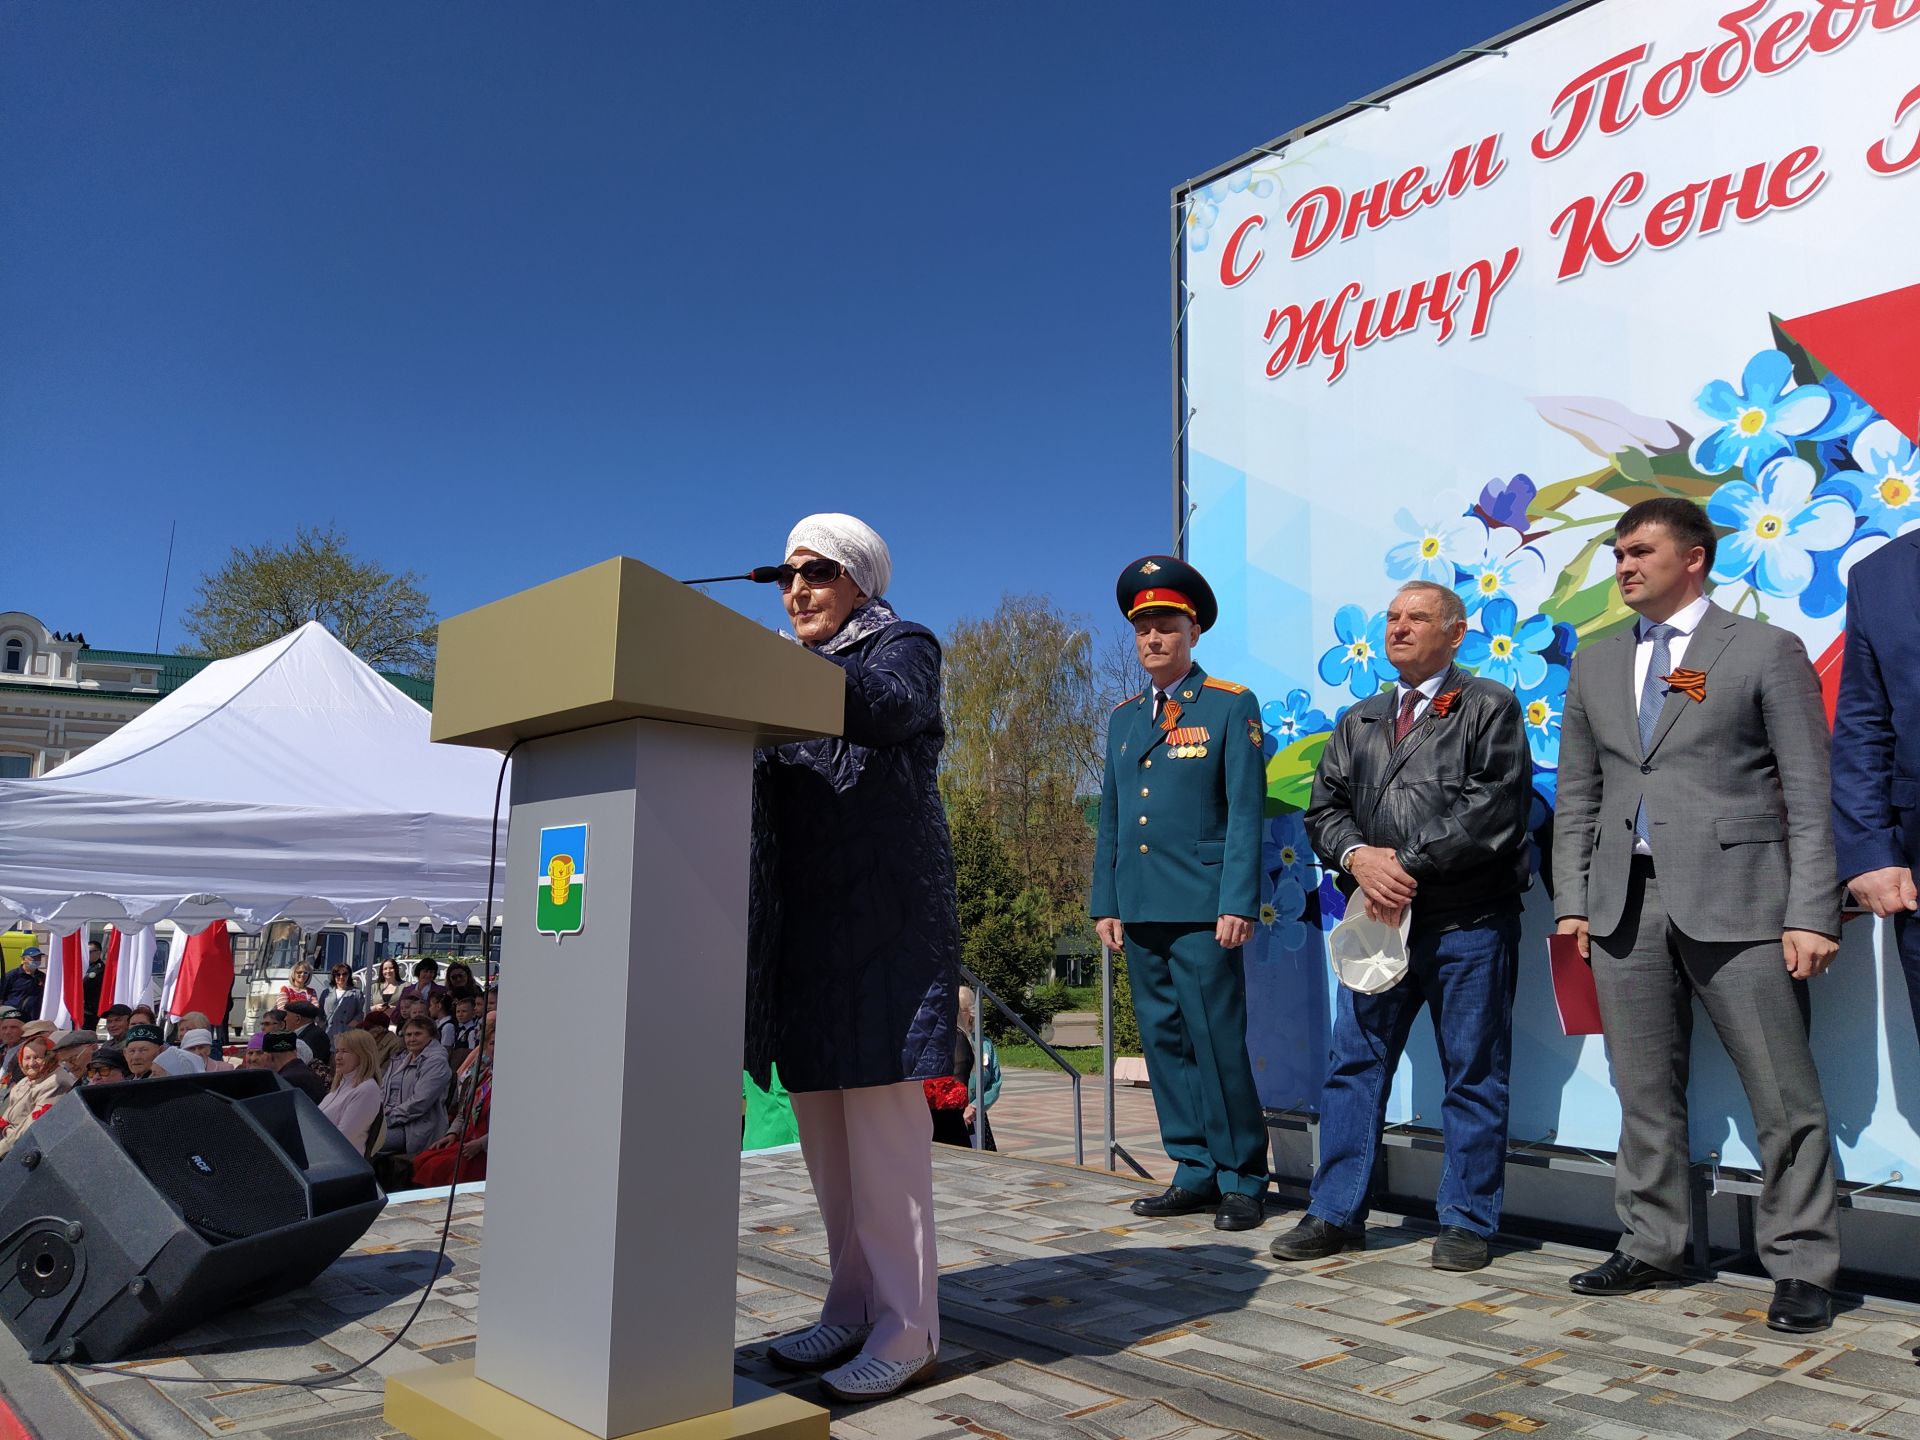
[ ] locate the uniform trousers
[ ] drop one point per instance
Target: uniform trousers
(1647, 973)
(1190, 997)
(869, 1153)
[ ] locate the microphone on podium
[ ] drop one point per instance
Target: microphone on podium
(760, 575)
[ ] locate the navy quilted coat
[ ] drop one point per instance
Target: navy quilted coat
(852, 937)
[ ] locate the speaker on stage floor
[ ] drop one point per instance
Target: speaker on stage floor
(130, 1212)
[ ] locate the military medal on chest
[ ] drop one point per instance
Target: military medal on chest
(1187, 742)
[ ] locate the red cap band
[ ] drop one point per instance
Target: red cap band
(1161, 600)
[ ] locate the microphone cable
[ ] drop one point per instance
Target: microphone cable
(484, 1052)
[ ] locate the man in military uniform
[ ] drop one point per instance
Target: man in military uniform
(1176, 882)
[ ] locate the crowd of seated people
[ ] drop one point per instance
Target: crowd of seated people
(409, 1082)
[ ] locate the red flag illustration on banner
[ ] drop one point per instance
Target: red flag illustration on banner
(1869, 344)
(206, 974)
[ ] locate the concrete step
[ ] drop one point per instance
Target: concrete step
(1074, 1027)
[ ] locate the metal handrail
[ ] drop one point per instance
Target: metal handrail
(1113, 1146)
(981, 992)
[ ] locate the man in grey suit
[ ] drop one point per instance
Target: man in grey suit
(1692, 850)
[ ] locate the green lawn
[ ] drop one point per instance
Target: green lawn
(1085, 997)
(1084, 1058)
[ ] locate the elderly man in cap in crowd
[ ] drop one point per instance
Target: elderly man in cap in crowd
(116, 1018)
(288, 1058)
(74, 1049)
(1421, 800)
(303, 1020)
(107, 1066)
(24, 986)
(1176, 883)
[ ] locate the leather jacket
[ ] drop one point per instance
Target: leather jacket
(1451, 800)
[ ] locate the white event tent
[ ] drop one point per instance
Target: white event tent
(291, 782)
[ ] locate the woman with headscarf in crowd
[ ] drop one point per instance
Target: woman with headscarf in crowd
(42, 1081)
(852, 947)
(341, 1002)
(354, 1098)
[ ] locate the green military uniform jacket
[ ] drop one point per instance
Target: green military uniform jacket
(1180, 810)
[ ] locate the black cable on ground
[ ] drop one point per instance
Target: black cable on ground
(485, 1055)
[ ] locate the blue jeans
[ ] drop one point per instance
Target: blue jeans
(1468, 977)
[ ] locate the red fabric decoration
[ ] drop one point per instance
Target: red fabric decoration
(110, 977)
(945, 1093)
(206, 974)
(1443, 703)
(73, 966)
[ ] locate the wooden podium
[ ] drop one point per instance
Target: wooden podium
(611, 1238)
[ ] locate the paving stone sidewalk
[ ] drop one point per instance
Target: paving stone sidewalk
(1065, 1318)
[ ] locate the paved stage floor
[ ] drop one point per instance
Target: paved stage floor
(1066, 1317)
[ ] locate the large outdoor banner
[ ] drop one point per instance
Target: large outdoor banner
(1656, 247)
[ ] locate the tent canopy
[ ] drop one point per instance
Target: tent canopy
(290, 782)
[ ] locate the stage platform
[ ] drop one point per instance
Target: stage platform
(1067, 1319)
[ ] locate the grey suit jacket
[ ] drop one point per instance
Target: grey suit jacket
(1735, 787)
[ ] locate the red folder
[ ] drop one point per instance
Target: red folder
(1573, 989)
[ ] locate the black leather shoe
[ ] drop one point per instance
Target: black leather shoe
(1799, 1306)
(1316, 1239)
(1457, 1248)
(1622, 1275)
(1173, 1201)
(1239, 1212)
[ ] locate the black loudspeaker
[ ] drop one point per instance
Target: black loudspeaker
(130, 1212)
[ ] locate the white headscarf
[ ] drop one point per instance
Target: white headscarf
(850, 541)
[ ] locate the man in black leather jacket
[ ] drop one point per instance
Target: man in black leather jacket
(1421, 802)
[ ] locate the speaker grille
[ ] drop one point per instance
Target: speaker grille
(204, 1157)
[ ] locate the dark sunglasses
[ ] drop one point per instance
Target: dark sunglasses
(814, 572)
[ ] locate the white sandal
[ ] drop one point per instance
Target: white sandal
(867, 1378)
(819, 1348)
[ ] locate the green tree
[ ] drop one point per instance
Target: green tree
(1024, 725)
(263, 591)
(1004, 935)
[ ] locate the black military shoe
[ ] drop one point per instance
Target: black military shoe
(1622, 1275)
(1799, 1306)
(1173, 1201)
(1239, 1212)
(1316, 1239)
(1457, 1248)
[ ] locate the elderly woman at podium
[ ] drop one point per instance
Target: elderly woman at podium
(853, 947)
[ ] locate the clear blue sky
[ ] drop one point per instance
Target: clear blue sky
(505, 289)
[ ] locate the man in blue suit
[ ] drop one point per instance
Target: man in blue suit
(1176, 881)
(1876, 745)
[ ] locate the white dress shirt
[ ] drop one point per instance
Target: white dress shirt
(1684, 623)
(1426, 690)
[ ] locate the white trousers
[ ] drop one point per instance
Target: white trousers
(869, 1153)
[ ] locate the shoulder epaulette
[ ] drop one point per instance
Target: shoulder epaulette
(1214, 682)
(1130, 699)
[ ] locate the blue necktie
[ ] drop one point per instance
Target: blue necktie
(1653, 696)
